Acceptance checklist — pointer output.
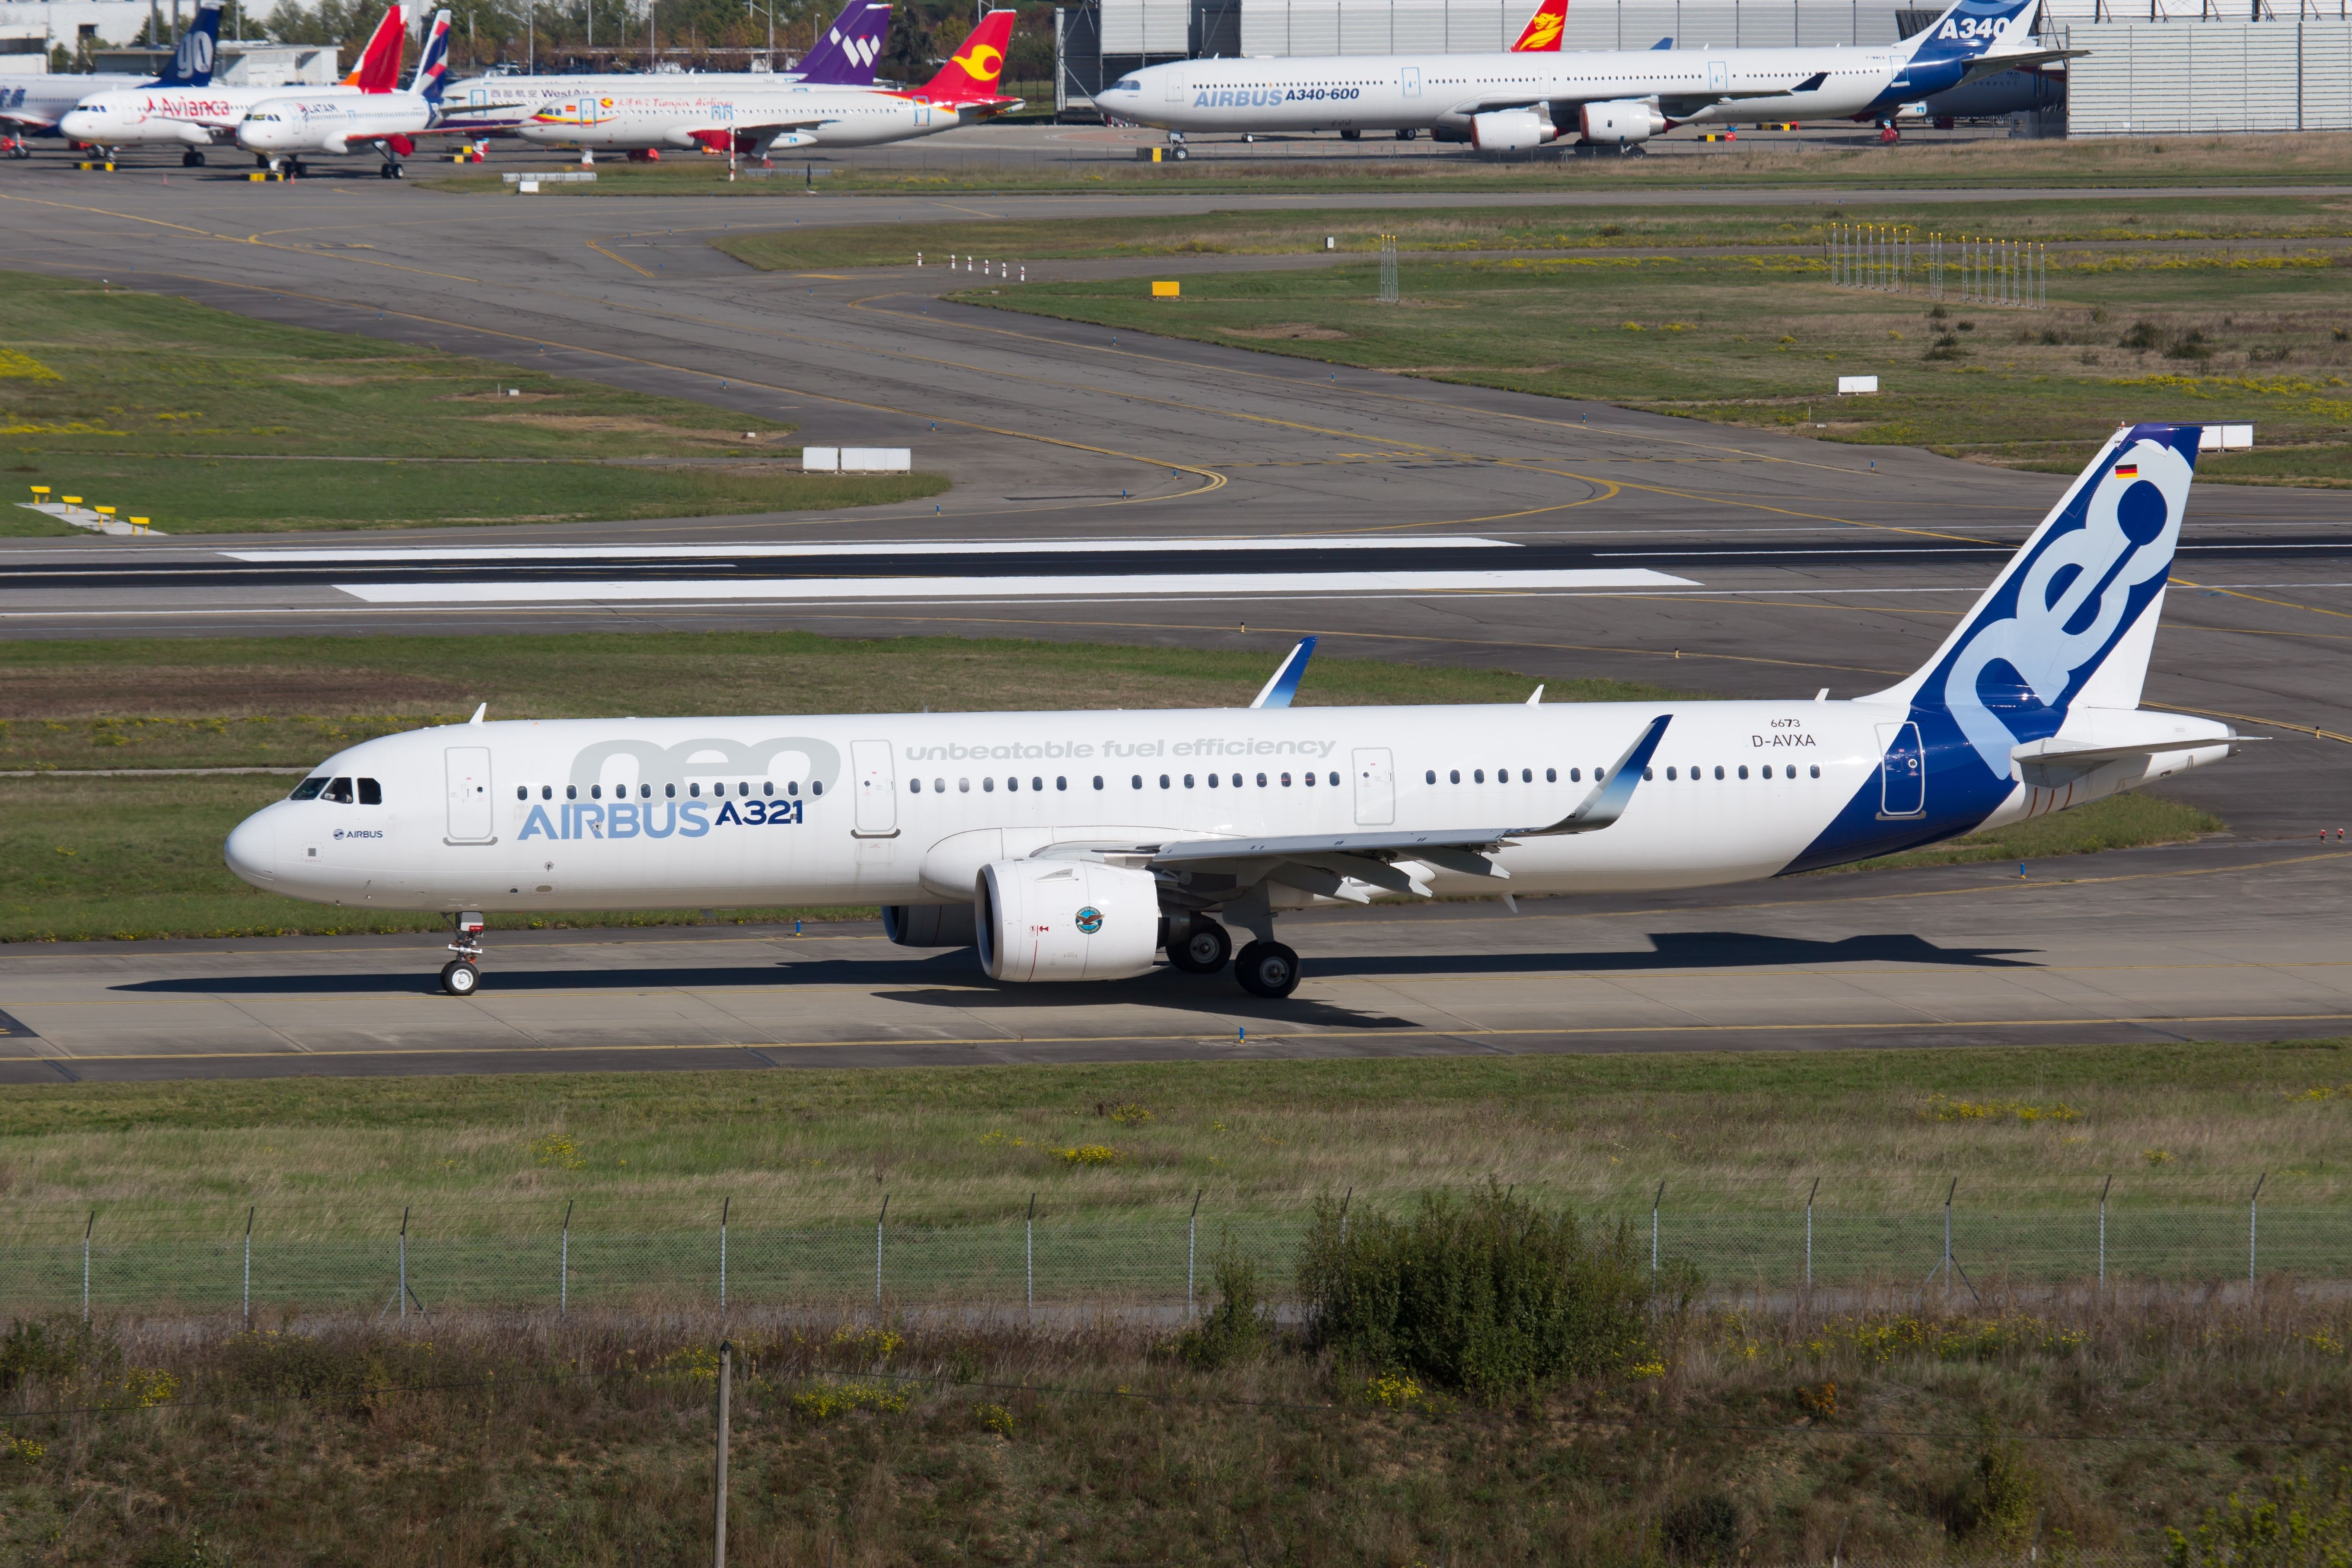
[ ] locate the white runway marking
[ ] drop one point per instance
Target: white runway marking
(551, 552)
(1288, 585)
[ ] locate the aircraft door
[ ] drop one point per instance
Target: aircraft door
(1902, 772)
(1718, 76)
(877, 789)
(468, 773)
(1413, 81)
(922, 112)
(1375, 788)
(1177, 86)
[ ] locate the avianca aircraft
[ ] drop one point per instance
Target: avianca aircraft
(281, 130)
(844, 56)
(1510, 102)
(195, 119)
(35, 106)
(1076, 846)
(634, 120)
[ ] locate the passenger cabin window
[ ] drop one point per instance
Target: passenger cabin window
(371, 793)
(339, 792)
(816, 787)
(308, 789)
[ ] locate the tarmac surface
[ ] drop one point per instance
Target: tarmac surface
(2212, 941)
(1115, 488)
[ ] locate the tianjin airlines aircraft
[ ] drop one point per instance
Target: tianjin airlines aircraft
(1077, 846)
(1508, 102)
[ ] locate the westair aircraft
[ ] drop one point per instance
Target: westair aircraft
(196, 118)
(1077, 846)
(281, 130)
(1513, 102)
(844, 56)
(35, 108)
(638, 119)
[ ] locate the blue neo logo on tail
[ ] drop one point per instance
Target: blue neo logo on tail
(2056, 615)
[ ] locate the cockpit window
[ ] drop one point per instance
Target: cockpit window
(309, 788)
(339, 792)
(371, 793)
(1127, 84)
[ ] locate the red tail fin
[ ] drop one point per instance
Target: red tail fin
(972, 73)
(1541, 34)
(379, 66)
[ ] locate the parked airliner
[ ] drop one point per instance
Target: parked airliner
(844, 56)
(195, 119)
(1076, 846)
(1512, 102)
(35, 107)
(281, 130)
(630, 117)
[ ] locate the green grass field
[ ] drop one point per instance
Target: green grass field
(208, 422)
(1760, 341)
(2106, 217)
(2025, 1128)
(1756, 160)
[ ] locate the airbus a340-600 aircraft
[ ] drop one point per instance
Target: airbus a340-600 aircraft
(1075, 846)
(1511, 102)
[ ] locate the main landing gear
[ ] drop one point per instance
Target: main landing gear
(1201, 946)
(192, 159)
(463, 973)
(391, 170)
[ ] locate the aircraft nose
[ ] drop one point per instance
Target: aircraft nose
(252, 849)
(77, 125)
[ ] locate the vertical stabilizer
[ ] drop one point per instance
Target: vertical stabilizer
(192, 61)
(379, 66)
(432, 62)
(846, 52)
(1541, 36)
(971, 75)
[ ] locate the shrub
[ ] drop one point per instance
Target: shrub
(1492, 1295)
(1238, 1326)
(2297, 1521)
(2142, 335)
(2190, 344)
(53, 1348)
(1701, 1528)
(2004, 1494)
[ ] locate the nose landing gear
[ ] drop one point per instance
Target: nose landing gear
(462, 973)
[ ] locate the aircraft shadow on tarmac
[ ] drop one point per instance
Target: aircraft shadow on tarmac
(960, 985)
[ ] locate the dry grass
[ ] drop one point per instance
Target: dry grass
(960, 1439)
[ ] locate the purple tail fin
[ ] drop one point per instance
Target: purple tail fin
(845, 55)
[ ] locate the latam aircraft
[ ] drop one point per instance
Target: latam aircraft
(633, 119)
(195, 119)
(35, 107)
(281, 130)
(1077, 846)
(1512, 102)
(844, 56)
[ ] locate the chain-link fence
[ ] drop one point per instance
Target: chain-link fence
(560, 1254)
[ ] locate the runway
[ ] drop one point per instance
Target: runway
(2203, 942)
(1190, 495)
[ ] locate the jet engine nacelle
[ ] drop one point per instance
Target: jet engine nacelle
(189, 132)
(335, 147)
(1065, 919)
(929, 925)
(1511, 130)
(1621, 122)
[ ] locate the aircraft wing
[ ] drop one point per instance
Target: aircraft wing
(1326, 863)
(1674, 106)
(1993, 65)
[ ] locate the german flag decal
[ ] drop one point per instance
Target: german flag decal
(2127, 470)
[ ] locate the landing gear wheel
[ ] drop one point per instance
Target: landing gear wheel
(1351, 136)
(1203, 949)
(192, 159)
(1266, 969)
(390, 172)
(459, 978)
(298, 171)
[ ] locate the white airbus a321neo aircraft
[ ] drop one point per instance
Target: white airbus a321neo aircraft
(1075, 846)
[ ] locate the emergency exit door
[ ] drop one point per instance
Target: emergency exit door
(1375, 788)
(878, 788)
(1902, 772)
(468, 773)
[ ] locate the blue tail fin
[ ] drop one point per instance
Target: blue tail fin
(432, 62)
(1968, 30)
(192, 62)
(844, 56)
(2073, 615)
